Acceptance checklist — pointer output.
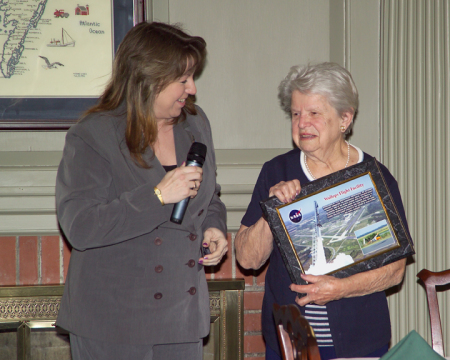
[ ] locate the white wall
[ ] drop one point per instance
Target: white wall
(251, 46)
(253, 43)
(363, 61)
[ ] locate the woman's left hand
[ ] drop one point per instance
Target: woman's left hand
(323, 288)
(320, 290)
(218, 245)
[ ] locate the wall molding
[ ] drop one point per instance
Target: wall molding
(27, 187)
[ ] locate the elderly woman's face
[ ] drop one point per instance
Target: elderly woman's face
(316, 125)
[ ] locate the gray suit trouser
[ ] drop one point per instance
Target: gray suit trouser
(89, 349)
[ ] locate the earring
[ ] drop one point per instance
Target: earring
(343, 128)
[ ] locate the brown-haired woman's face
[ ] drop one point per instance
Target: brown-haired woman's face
(171, 100)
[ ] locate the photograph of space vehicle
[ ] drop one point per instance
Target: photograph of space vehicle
(338, 227)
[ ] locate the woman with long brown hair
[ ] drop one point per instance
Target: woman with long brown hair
(136, 286)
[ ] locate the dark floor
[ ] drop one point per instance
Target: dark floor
(45, 345)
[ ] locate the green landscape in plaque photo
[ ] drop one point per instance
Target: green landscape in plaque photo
(338, 227)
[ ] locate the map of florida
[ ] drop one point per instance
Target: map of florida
(17, 17)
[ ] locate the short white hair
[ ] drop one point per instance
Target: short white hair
(328, 79)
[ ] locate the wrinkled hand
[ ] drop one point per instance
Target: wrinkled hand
(286, 191)
(180, 183)
(218, 245)
(320, 290)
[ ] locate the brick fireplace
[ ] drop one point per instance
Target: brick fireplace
(43, 260)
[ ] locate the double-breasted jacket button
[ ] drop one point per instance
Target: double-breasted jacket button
(158, 296)
(192, 237)
(192, 290)
(191, 263)
(159, 268)
(200, 212)
(158, 241)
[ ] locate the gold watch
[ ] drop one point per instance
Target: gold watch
(158, 194)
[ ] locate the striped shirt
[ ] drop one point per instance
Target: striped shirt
(317, 317)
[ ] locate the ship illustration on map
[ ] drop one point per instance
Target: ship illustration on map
(66, 40)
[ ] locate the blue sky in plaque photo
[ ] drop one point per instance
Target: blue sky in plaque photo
(338, 227)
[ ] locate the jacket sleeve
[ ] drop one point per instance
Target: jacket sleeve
(89, 212)
(217, 214)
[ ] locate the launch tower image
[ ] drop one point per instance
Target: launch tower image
(319, 265)
(317, 250)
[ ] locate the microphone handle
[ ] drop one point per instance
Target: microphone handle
(180, 207)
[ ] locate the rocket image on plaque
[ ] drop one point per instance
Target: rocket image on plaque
(339, 225)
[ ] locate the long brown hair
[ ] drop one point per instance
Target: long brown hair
(150, 57)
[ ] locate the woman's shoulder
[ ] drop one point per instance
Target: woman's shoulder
(285, 159)
(384, 170)
(198, 124)
(199, 118)
(200, 112)
(283, 167)
(366, 155)
(97, 130)
(101, 123)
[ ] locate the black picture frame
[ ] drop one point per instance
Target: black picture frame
(60, 113)
(365, 204)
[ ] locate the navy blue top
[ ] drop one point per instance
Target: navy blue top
(359, 325)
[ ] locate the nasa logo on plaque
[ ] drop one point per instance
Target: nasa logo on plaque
(295, 216)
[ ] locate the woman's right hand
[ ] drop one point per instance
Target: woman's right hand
(286, 191)
(254, 244)
(180, 183)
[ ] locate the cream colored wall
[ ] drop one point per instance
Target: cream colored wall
(253, 43)
(362, 44)
(251, 46)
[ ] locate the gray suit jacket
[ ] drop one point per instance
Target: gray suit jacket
(133, 276)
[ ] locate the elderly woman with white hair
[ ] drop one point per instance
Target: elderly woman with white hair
(350, 316)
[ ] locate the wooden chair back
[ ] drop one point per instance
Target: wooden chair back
(296, 336)
(431, 280)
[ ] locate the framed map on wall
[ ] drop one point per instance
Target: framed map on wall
(56, 57)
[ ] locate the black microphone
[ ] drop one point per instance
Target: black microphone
(196, 157)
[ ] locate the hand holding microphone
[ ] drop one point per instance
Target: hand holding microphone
(179, 185)
(196, 157)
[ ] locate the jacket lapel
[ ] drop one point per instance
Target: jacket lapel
(141, 175)
(184, 135)
(183, 141)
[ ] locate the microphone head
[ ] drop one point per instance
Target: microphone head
(197, 153)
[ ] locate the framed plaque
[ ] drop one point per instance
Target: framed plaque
(340, 225)
(56, 58)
